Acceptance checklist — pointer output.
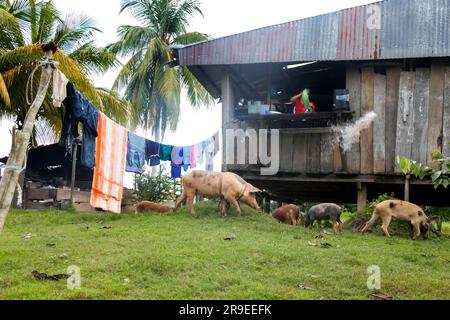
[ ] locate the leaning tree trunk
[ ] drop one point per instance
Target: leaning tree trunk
(19, 148)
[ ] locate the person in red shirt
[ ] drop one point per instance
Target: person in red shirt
(302, 103)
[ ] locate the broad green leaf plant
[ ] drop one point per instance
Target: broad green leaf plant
(439, 176)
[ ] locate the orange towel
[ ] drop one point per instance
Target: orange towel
(110, 156)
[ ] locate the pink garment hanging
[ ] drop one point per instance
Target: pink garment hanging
(194, 154)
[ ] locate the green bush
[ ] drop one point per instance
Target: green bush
(444, 213)
(159, 188)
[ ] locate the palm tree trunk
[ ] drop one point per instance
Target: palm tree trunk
(16, 157)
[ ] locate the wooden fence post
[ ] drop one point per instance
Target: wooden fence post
(22, 140)
(362, 197)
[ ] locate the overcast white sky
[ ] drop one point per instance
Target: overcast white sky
(220, 18)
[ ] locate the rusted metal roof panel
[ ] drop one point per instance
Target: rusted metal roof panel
(415, 28)
(391, 29)
(317, 38)
(359, 33)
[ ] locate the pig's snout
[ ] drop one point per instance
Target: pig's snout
(254, 205)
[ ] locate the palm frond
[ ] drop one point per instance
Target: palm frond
(24, 55)
(127, 71)
(10, 32)
(47, 18)
(152, 87)
(74, 31)
(4, 94)
(197, 94)
(117, 108)
(94, 59)
(191, 37)
(35, 21)
(45, 132)
(131, 40)
(180, 20)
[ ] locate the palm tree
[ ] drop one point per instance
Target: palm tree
(149, 82)
(28, 23)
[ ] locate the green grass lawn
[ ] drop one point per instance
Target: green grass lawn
(175, 256)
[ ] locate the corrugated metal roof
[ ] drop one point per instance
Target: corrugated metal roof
(408, 29)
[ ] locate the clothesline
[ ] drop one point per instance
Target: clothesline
(110, 149)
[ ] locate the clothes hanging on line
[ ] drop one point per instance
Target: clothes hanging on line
(152, 155)
(165, 152)
(193, 155)
(201, 152)
(110, 157)
(209, 154)
(175, 171)
(89, 135)
(177, 156)
(216, 143)
(136, 146)
(80, 110)
(186, 158)
(59, 93)
(177, 161)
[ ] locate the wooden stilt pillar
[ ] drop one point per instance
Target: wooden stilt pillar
(267, 204)
(74, 170)
(362, 197)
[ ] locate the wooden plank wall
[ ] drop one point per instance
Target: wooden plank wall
(446, 132)
(405, 116)
(413, 120)
(435, 109)
(313, 156)
(421, 100)
(326, 153)
(286, 152)
(379, 126)
(392, 88)
(367, 104)
(300, 153)
(353, 83)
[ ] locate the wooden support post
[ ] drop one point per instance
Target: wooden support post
(227, 116)
(269, 86)
(22, 140)
(362, 197)
(267, 204)
(74, 170)
(407, 180)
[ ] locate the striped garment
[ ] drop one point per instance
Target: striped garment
(110, 156)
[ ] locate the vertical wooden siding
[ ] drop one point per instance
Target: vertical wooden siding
(353, 83)
(446, 132)
(379, 126)
(435, 109)
(409, 123)
(392, 88)
(367, 104)
(405, 116)
(421, 100)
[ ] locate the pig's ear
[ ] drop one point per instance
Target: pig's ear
(253, 189)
